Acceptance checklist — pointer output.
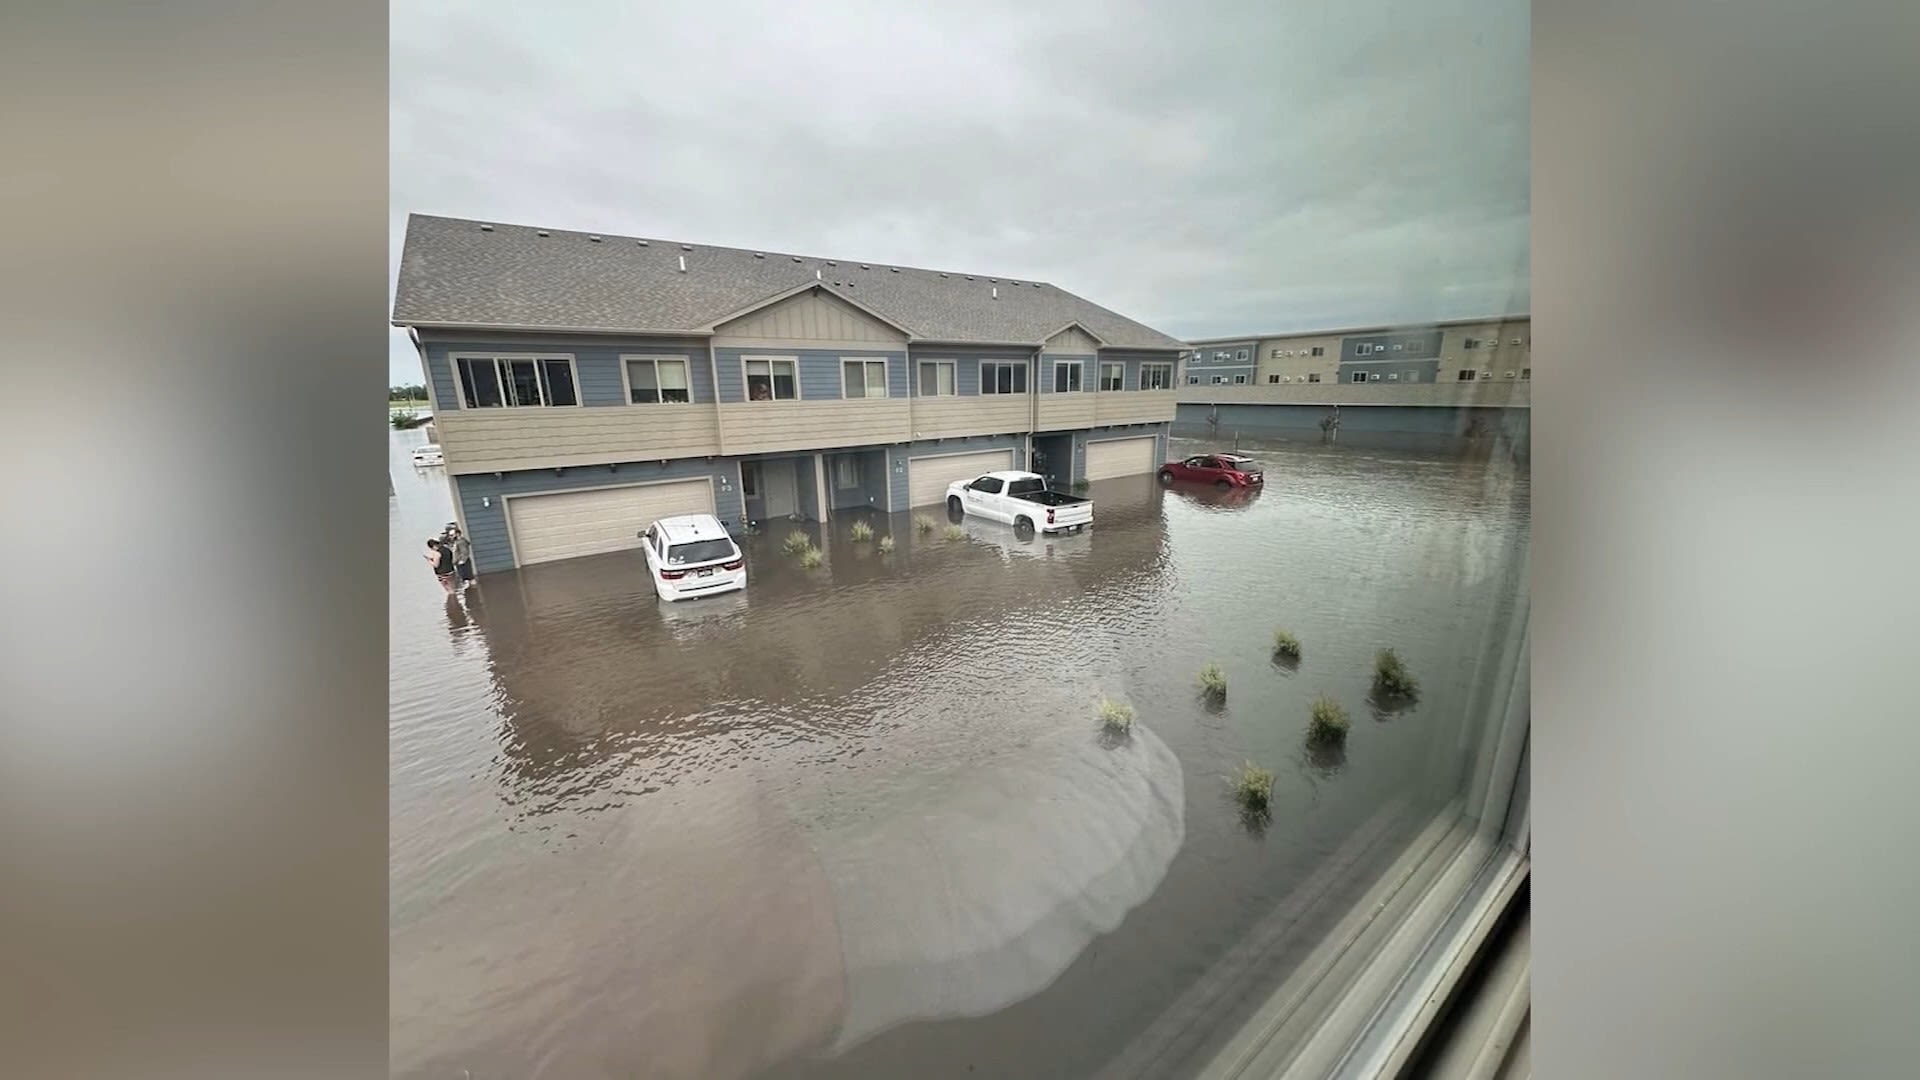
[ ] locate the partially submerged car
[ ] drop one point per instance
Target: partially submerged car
(692, 555)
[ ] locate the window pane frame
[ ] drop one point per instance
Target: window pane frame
(515, 380)
(1156, 375)
(1114, 372)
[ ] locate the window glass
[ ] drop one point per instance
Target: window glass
(523, 382)
(865, 378)
(558, 375)
(699, 551)
(643, 383)
(936, 379)
(1156, 376)
(1113, 376)
(673, 380)
(1066, 378)
(771, 380)
(987, 484)
(480, 384)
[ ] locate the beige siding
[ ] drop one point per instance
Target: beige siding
(568, 524)
(1134, 407)
(928, 477)
(754, 427)
(1074, 341)
(1058, 411)
(1499, 392)
(813, 316)
(1108, 458)
(988, 414)
(497, 440)
(1296, 359)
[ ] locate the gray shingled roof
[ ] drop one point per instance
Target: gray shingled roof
(455, 272)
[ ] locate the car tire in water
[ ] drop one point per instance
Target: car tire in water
(1023, 528)
(955, 511)
(1166, 477)
(1223, 485)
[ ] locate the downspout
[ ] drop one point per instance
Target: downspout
(1033, 403)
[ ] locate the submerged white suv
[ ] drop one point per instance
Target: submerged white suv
(692, 555)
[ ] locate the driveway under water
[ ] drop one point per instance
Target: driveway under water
(859, 820)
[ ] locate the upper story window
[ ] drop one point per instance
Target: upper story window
(1113, 376)
(1220, 356)
(772, 380)
(1003, 377)
(1470, 343)
(1156, 376)
(937, 378)
(1239, 378)
(1315, 377)
(863, 378)
(1193, 380)
(1066, 377)
(1466, 376)
(496, 382)
(1240, 355)
(655, 379)
(1526, 373)
(1359, 376)
(1319, 350)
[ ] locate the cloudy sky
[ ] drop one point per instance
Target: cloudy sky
(1208, 169)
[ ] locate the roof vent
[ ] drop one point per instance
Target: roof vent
(969, 277)
(759, 254)
(995, 281)
(642, 243)
(486, 228)
(683, 264)
(542, 232)
(595, 239)
(895, 269)
(830, 262)
(943, 275)
(796, 258)
(686, 247)
(864, 266)
(816, 273)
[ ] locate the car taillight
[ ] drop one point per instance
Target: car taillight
(1049, 517)
(673, 575)
(734, 565)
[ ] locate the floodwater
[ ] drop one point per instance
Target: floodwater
(859, 821)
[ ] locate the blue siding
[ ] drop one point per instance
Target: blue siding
(967, 365)
(871, 492)
(1374, 419)
(1407, 345)
(597, 364)
(898, 454)
(487, 524)
(1425, 371)
(1133, 362)
(1088, 370)
(819, 371)
(440, 375)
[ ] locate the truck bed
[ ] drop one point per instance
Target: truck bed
(1050, 498)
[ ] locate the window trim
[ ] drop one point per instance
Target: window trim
(1100, 385)
(1026, 365)
(1079, 366)
(886, 375)
(626, 379)
(1145, 364)
(1313, 376)
(460, 382)
(1240, 380)
(952, 364)
(746, 388)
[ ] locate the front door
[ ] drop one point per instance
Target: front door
(779, 486)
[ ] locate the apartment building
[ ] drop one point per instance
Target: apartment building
(1383, 360)
(584, 384)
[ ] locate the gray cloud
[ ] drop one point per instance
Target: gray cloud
(1209, 171)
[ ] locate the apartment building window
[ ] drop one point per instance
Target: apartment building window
(1241, 355)
(1113, 376)
(1470, 343)
(863, 378)
(1315, 377)
(1239, 378)
(1193, 380)
(1273, 378)
(937, 378)
(1359, 376)
(773, 380)
(510, 382)
(1218, 379)
(1466, 376)
(1003, 378)
(1363, 350)
(1526, 373)
(1066, 377)
(1156, 377)
(1319, 350)
(1273, 354)
(653, 380)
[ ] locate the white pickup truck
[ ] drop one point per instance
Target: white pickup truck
(1020, 499)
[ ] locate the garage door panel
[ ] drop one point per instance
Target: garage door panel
(928, 477)
(1110, 458)
(569, 524)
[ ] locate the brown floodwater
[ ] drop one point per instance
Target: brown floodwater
(860, 820)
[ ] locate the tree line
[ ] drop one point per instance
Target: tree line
(407, 393)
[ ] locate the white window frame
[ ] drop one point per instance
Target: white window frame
(1080, 375)
(460, 381)
(656, 359)
(953, 378)
(1218, 379)
(1193, 380)
(866, 374)
(1104, 366)
(1026, 365)
(746, 387)
(1240, 380)
(1240, 354)
(1156, 365)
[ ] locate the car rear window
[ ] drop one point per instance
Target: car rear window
(699, 551)
(1026, 487)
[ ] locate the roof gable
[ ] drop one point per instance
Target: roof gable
(811, 313)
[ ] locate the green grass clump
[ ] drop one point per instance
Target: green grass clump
(1391, 677)
(796, 542)
(406, 419)
(1253, 786)
(955, 532)
(1116, 716)
(1285, 644)
(923, 524)
(861, 532)
(1213, 680)
(886, 544)
(1082, 484)
(1327, 720)
(811, 557)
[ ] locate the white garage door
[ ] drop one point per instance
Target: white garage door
(928, 477)
(1120, 457)
(572, 523)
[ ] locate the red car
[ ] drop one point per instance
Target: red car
(1221, 470)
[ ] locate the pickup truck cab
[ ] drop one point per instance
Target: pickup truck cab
(1020, 499)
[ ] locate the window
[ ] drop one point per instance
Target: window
(1466, 376)
(1359, 376)
(1275, 354)
(494, 382)
(1241, 355)
(1319, 350)
(1066, 376)
(1239, 378)
(999, 377)
(1218, 379)
(1193, 380)
(1363, 350)
(863, 378)
(987, 484)
(1273, 378)
(1156, 376)
(1526, 373)
(1113, 376)
(1470, 343)
(700, 551)
(654, 380)
(937, 378)
(846, 471)
(772, 380)
(1315, 377)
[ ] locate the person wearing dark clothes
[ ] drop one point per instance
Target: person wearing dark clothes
(441, 556)
(462, 553)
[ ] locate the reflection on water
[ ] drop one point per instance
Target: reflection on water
(859, 820)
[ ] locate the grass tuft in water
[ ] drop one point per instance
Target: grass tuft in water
(861, 532)
(1082, 484)
(923, 524)
(1213, 681)
(1116, 716)
(1285, 644)
(796, 542)
(1327, 721)
(955, 532)
(1253, 786)
(886, 544)
(811, 557)
(1391, 677)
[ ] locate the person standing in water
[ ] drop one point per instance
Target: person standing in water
(462, 553)
(441, 556)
